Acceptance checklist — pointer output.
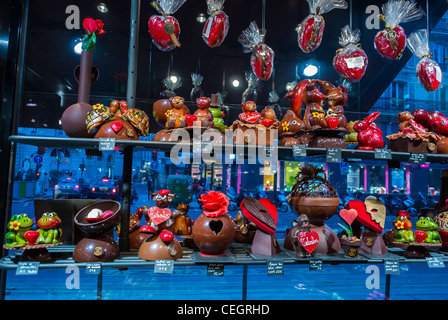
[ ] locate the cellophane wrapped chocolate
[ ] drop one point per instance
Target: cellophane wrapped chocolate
(350, 61)
(262, 59)
(311, 29)
(165, 29)
(217, 25)
(196, 91)
(428, 71)
(391, 42)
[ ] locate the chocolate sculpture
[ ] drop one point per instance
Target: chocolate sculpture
(314, 196)
(253, 128)
(204, 117)
(412, 136)
(117, 121)
(305, 240)
(161, 243)
(325, 128)
(371, 214)
(214, 230)
(263, 214)
(369, 135)
(290, 128)
(97, 246)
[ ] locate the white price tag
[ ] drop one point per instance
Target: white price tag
(356, 62)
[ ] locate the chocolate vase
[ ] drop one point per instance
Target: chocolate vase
(74, 117)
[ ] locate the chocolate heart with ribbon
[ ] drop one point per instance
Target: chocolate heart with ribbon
(159, 215)
(348, 215)
(31, 237)
(309, 240)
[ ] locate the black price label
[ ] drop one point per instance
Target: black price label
(93, 268)
(163, 266)
(299, 150)
(392, 267)
(435, 262)
(316, 264)
(107, 144)
(417, 158)
(275, 268)
(215, 270)
(383, 154)
(27, 268)
(334, 155)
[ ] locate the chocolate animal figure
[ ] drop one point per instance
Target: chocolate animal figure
(290, 127)
(204, 115)
(182, 225)
(314, 117)
(159, 217)
(268, 117)
(303, 224)
(336, 100)
(176, 115)
(370, 137)
(250, 114)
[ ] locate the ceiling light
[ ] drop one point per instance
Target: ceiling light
(310, 70)
(102, 8)
(201, 18)
(236, 83)
(78, 48)
(173, 79)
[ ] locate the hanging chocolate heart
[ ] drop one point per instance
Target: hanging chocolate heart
(309, 240)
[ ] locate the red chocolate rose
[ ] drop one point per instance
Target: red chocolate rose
(214, 203)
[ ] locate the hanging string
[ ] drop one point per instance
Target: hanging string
(427, 16)
(351, 15)
(263, 16)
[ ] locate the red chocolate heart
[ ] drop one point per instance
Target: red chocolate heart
(160, 27)
(429, 74)
(310, 33)
(363, 216)
(348, 215)
(190, 119)
(31, 237)
(159, 215)
(420, 236)
(309, 240)
(351, 67)
(215, 29)
(267, 122)
(262, 61)
(332, 123)
(116, 126)
(250, 117)
(390, 43)
(262, 213)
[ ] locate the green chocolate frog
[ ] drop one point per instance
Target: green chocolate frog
(49, 228)
(427, 225)
(18, 225)
(403, 226)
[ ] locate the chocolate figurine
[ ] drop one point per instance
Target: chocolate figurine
(204, 117)
(304, 242)
(161, 244)
(183, 224)
(314, 117)
(369, 135)
(250, 114)
(336, 100)
(290, 128)
(176, 115)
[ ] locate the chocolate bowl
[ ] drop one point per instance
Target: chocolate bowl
(212, 235)
(99, 227)
(318, 210)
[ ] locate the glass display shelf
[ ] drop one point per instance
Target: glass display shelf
(236, 254)
(284, 153)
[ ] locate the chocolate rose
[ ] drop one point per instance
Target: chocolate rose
(214, 203)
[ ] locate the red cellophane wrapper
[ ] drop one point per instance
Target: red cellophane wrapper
(350, 61)
(164, 29)
(217, 25)
(311, 29)
(428, 71)
(391, 42)
(262, 59)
